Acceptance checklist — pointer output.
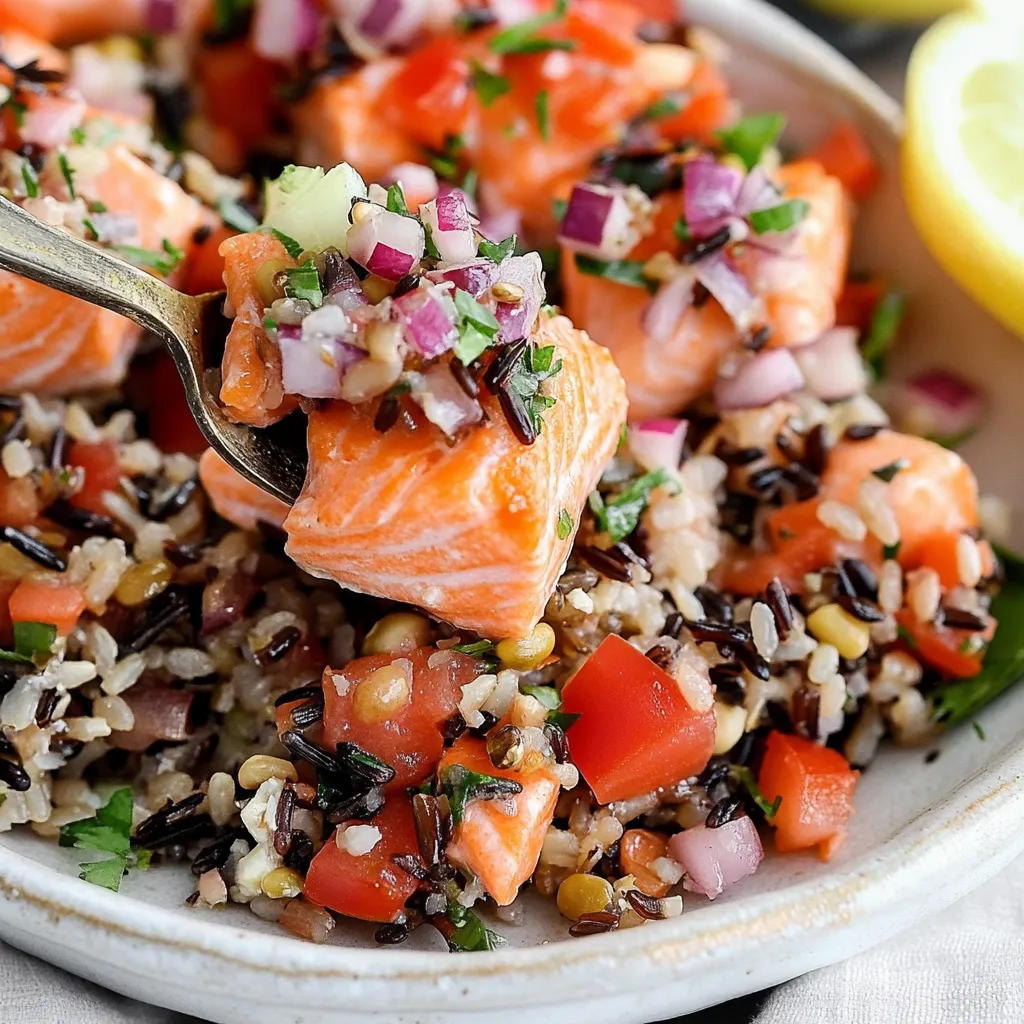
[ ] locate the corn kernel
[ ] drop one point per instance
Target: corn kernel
(121, 48)
(583, 894)
(397, 633)
(381, 695)
(729, 723)
(834, 625)
(376, 288)
(257, 769)
(282, 883)
(144, 581)
(270, 279)
(528, 652)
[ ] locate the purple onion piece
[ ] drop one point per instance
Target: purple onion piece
(665, 311)
(386, 244)
(516, 320)
(725, 282)
(598, 222)
(756, 193)
(444, 402)
(313, 369)
(832, 365)
(379, 18)
(426, 324)
(161, 16)
(939, 403)
(448, 221)
(474, 276)
(759, 380)
(710, 194)
(658, 444)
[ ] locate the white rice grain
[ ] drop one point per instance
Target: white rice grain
(765, 632)
(580, 600)
(140, 457)
(188, 663)
(843, 519)
(124, 675)
(17, 459)
(877, 513)
(79, 425)
(824, 664)
(890, 587)
(357, 840)
(968, 561)
(924, 592)
(116, 712)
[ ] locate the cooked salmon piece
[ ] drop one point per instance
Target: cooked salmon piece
(467, 532)
(65, 22)
(800, 292)
(235, 498)
(19, 48)
(251, 387)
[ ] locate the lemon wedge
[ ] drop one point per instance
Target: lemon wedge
(963, 151)
(887, 10)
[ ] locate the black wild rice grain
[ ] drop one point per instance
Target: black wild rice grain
(311, 753)
(733, 456)
(430, 835)
(663, 656)
(283, 820)
(48, 701)
(11, 403)
(719, 240)
(362, 766)
(555, 735)
(57, 447)
(595, 924)
(860, 609)
(717, 770)
(764, 480)
(782, 611)
(716, 606)
(15, 430)
(411, 865)
(863, 580)
(674, 623)
(815, 456)
(608, 563)
(307, 714)
(806, 484)
(861, 431)
(196, 826)
(729, 689)
(648, 907)
(488, 723)
(452, 728)
(163, 611)
(518, 416)
(475, 17)
(700, 295)
(931, 757)
(584, 579)
(736, 515)
(464, 378)
(202, 234)
(754, 663)
(787, 446)
(960, 618)
(175, 501)
(216, 854)
(501, 371)
(300, 852)
(724, 811)
(387, 413)
(806, 710)
(300, 693)
(392, 934)
(719, 632)
(758, 338)
(843, 584)
(744, 749)
(63, 513)
(364, 806)
(34, 549)
(14, 776)
(280, 644)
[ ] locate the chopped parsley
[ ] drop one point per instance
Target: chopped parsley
(907, 637)
(269, 323)
(547, 695)
(163, 262)
(891, 551)
(446, 163)
(888, 472)
(978, 730)
(540, 106)
(34, 639)
(95, 206)
(396, 200)
(565, 524)
(78, 135)
(524, 386)
(28, 175)
(523, 38)
(236, 216)
(749, 138)
(109, 831)
(475, 649)
(682, 230)
(17, 108)
(618, 516)
(477, 327)
(429, 246)
(462, 785)
(489, 86)
(303, 283)
(68, 173)
(470, 935)
(780, 218)
(558, 208)
(629, 272)
(91, 228)
(228, 13)
(561, 719)
(290, 245)
(665, 107)
(745, 777)
(497, 252)
(885, 322)
(469, 182)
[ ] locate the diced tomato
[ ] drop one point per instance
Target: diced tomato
(19, 501)
(845, 155)
(370, 887)
(939, 553)
(157, 390)
(951, 651)
(858, 301)
(409, 740)
(8, 584)
(53, 602)
(604, 31)
(816, 785)
(657, 10)
(102, 473)
(431, 93)
(636, 731)
(498, 848)
(638, 849)
(709, 109)
(204, 266)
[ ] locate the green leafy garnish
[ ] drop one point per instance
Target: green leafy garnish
(749, 138)
(446, 163)
(488, 85)
(236, 216)
(558, 208)
(745, 777)
(396, 200)
(780, 218)
(475, 649)
(561, 719)
(629, 272)
(28, 175)
(891, 551)
(540, 106)
(95, 206)
(91, 228)
(109, 831)
(885, 322)
(907, 637)
(618, 516)
(979, 731)
(497, 252)
(290, 245)
(68, 173)
(682, 230)
(665, 107)
(524, 387)
(470, 935)
(547, 695)
(77, 135)
(226, 13)
(1003, 665)
(34, 639)
(522, 37)
(462, 785)
(428, 244)
(477, 327)
(304, 283)
(469, 182)
(565, 524)
(889, 471)
(269, 323)
(163, 262)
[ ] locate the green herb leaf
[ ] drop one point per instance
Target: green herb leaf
(107, 873)
(462, 785)
(978, 730)
(28, 175)
(396, 200)
(69, 174)
(749, 138)
(682, 230)
(108, 831)
(892, 551)
(1003, 665)
(236, 216)
(497, 252)
(290, 245)
(488, 85)
(162, 262)
(540, 106)
(477, 327)
(469, 182)
(888, 472)
(475, 649)
(885, 322)
(665, 107)
(428, 244)
(618, 516)
(522, 37)
(91, 228)
(470, 935)
(780, 218)
(78, 135)
(269, 323)
(745, 777)
(907, 637)
(227, 13)
(95, 206)
(34, 639)
(536, 366)
(561, 719)
(629, 272)
(547, 695)
(565, 524)
(304, 283)
(446, 163)
(558, 208)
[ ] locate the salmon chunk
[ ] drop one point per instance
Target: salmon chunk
(235, 498)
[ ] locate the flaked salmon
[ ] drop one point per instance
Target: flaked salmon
(235, 498)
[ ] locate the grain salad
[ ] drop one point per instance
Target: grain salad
(619, 554)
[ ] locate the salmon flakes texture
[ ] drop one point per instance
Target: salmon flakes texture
(469, 532)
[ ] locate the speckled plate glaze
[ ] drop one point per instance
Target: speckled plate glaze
(924, 834)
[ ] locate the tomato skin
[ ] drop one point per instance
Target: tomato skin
(204, 266)
(816, 785)
(604, 31)
(432, 93)
(102, 473)
(411, 740)
(845, 155)
(58, 604)
(709, 109)
(157, 390)
(636, 731)
(939, 646)
(370, 887)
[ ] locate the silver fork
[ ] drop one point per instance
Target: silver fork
(192, 327)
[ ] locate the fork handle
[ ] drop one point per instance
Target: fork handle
(52, 257)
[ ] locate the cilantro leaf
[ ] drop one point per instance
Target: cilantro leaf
(269, 323)
(497, 252)
(558, 208)
(629, 272)
(619, 516)
(227, 13)
(522, 37)
(888, 472)
(682, 230)
(745, 777)
(749, 138)
(78, 135)
(540, 106)
(396, 200)
(474, 649)
(665, 107)
(462, 785)
(565, 524)
(33, 638)
(780, 218)
(108, 831)
(107, 873)
(477, 327)
(69, 175)
(470, 935)
(885, 322)
(561, 719)
(303, 283)
(290, 245)
(236, 216)
(524, 386)
(162, 262)
(489, 86)
(28, 175)
(547, 695)
(446, 163)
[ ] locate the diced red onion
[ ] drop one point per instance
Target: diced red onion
(113, 83)
(161, 16)
(49, 119)
(598, 222)
(447, 219)
(314, 356)
(759, 381)
(499, 226)
(832, 365)
(443, 401)
(725, 282)
(756, 193)
(662, 315)
(517, 318)
(715, 858)
(474, 276)
(284, 29)
(426, 324)
(658, 444)
(710, 193)
(939, 403)
(380, 24)
(386, 244)
(419, 182)
(115, 228)
(161, 713)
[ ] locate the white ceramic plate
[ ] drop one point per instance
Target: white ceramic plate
(924, 834)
